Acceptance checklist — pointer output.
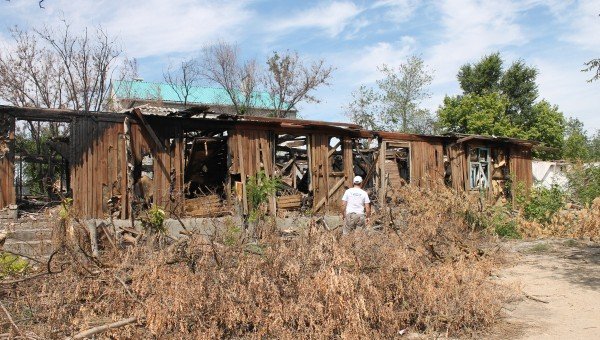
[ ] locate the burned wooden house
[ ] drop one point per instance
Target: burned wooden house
(198, 164)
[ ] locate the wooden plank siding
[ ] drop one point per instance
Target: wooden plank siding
(427, 163)
(251, 152)
(7, 163)
(99, 169)
(520, 166)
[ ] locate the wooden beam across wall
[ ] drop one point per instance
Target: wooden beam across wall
(148, 129)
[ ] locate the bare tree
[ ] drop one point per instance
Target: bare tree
(50, 68)
(365, 108)
(183, 78)
(55, 68)
(87, 61)
(221, 65)
(122, 87)
(290, 81)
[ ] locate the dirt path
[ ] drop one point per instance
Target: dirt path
(561, 280)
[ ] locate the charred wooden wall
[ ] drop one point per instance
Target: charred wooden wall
(99, 165)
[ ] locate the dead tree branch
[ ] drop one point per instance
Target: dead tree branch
(103, 328)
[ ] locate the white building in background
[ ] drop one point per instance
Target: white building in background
(549, 173)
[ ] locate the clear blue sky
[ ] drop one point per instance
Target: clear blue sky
(555, 36)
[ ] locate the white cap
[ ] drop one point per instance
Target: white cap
(357, 180)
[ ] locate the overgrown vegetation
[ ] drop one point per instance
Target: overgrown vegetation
(11, 264)
(584, 183)
(543, 203)
(258, 189)
(429, 274)
(153, 219)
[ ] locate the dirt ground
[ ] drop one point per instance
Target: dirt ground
(560, 283)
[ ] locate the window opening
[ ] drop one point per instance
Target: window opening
(336, 158)
(479, 168)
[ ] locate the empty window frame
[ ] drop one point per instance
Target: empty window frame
(336, 155)
(479, 168)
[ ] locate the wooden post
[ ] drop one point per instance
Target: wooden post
(382, 174)
(129, 156)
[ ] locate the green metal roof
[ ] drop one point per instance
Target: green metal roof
(143, 90)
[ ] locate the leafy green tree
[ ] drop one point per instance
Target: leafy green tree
(576, 141)
(502, 102)
(481, 77)
(404, 89)
(478, 114)
(594, 147)
(395, 105)
(518, 84)
(546, 125)
(364, 109)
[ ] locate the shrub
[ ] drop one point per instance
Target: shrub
(11, 264)
(584, 183)
(258, 190)
(507, 229)
(154, 220)
(543, 203)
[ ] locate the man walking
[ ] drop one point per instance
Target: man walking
(355, 203)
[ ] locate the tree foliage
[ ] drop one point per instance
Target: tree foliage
(576, 141)
(395, 105)
(594, 67)
(594, 147)
(364, 109)
(504, 103)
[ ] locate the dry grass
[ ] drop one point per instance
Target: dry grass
(567, 223)
(426, 273)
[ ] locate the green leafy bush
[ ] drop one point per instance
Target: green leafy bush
(154, 220)
(542, 203)
(584, 183)
(497, 220)
(507, 229)
(258, 189)
(11, 264)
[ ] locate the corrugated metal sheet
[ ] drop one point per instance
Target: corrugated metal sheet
(143, 90)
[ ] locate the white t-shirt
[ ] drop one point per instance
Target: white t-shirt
(355, 199)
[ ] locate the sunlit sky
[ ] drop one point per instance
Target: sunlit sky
(356, 37)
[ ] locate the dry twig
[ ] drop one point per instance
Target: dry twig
(12, 322)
